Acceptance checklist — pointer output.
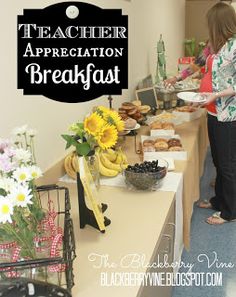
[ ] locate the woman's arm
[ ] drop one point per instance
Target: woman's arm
(194, 67)
(224, 93)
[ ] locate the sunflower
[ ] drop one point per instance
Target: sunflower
(93, 124)
(113, 118)
(108, 137)
(103, 111)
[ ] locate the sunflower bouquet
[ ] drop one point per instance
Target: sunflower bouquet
(20, 210)
(99, 129)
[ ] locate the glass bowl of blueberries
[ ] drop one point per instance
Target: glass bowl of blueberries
(147, 175)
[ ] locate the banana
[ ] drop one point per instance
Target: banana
(68, 166)
(105, 171)
(73, 173)
(66, 161)
(111, 158)
(111, 155)
(124, 166)
(119, 158)
(75, 163)
(108, 164)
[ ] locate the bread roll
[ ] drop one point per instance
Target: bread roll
(148, 142)
(161, 146)
(130, 123)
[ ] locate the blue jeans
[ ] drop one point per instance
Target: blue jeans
(222, 137)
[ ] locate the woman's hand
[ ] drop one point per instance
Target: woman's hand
(210, 97)
(170, 81)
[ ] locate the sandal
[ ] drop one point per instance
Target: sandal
(216, 219)
(204, 204)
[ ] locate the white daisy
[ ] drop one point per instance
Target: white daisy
(31, 132)
(21, 196)
(6, 210)
(22, 174)
(7, 184)
(35, 172)
(19, 130)
(22, 155)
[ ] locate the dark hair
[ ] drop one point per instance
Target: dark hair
(221, 19)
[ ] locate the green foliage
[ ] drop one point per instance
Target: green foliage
(190, 47)
(5, 236)
(70, 140)
(3, 192)
(24, 227)
(201, 46)
(82, 148)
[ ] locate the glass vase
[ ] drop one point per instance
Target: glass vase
(93, 165)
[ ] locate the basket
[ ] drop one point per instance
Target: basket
(54, 263)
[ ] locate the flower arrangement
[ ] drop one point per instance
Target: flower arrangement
(100, 129)
(20, 209)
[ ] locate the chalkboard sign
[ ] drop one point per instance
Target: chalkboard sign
(147, 97)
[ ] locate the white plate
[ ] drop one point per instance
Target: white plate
(191, 97)
(123, 133)
(135, 128)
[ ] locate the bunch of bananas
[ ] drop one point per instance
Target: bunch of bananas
(111, 162)
(71, 165)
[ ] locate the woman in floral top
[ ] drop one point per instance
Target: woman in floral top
(221, 20)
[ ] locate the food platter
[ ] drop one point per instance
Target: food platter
(192, 97)
(135, 128)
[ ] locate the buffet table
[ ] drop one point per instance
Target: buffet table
(195, 141)
(138, 220)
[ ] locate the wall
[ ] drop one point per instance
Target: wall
(152, 18)
(196, 25)
(234, 5)
(196, 18)
(147, 19)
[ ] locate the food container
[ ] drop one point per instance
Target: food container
(176, 155)
(151, 180)
(159, 128)
(164, 117)
(166, 96)
(189, 116)
(162, 132)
